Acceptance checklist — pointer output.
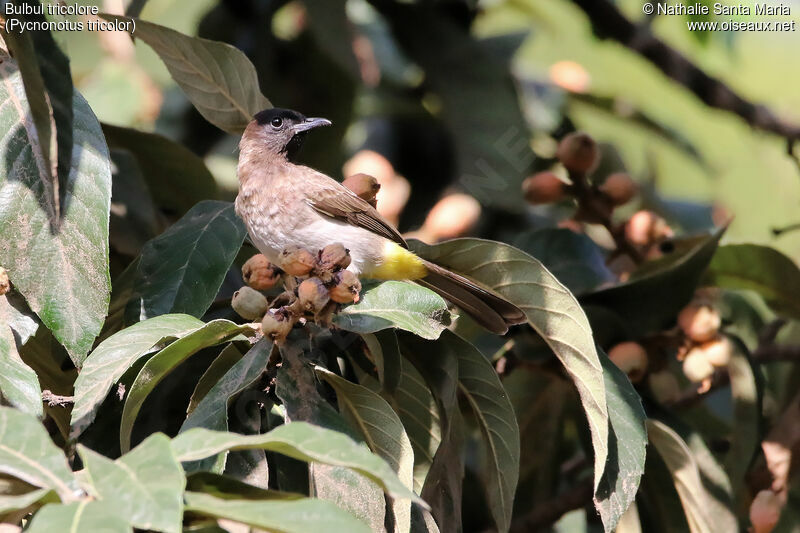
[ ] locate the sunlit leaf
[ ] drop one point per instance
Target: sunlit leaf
(19, 384)
(86, 515)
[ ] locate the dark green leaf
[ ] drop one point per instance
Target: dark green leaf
(746, 437)
(551, 310)
(18, 502)
(19, 384)
(396, 304)
(761, 269)
(162, 363)
(109, 361)
(134, 219)
(144, 486)
(218, 78)
(181, 270)
(223, 362)
(69, 251)
(386, 355)
(279, 516)
(176, 176)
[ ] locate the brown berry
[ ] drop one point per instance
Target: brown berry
(664, 386)
(543, 188)
(765, 511)
(631, 358)
(249, 303)
(696, 366)
(312, 295)
(333, 258)
(619, 188)
(297, 261)
(645, 228)
(346, 289)
(5, 284)
(364, 186)
(276, 325)
(578, 152)
(718, 351)
(699, 322)
(452, 216)
(259, 273)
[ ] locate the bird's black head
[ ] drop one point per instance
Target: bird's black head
(281, 131)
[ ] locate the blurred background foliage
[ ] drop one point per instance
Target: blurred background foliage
(382, 100)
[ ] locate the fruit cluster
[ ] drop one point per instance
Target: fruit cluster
(315, 284)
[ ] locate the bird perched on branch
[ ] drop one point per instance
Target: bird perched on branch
(284, 204)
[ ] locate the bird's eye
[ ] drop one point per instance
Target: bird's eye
(276, 122)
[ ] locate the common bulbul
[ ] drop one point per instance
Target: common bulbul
(284, 204)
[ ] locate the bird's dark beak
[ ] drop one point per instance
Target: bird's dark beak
(311, 123)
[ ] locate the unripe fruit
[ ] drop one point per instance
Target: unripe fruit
(570, 75)
(346, 289)
(696, 366)
(619, 188)
(664, 386)
(765, 511)
(543, 188)
(333, 258)
(259, 273)
(645, 228)
(312, 295)
(631, 358)
(452, 216)
(699, 322)
(276, 325)
(718, 351)
(249, 303)
(5, 284)
(364, 186)
(578, 152)
(297, 261)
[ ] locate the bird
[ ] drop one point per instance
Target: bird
(285, 204)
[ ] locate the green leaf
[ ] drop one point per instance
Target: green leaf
(81, 516)
(747, 408)
(761, 269)
(144, 486)
(176, 176)
(551, 310)
(69, 251)
(218, 78)
(383, 431)
(134, 219)
(230, 488)
(396, 304)
(19, 384)
(385, 352)
(298, 440)
(574, 259)
(228, 357)
(279, 516)
(494, 413)
(650, 302)
(165, 361)
(212, 411)
(17, 502)
(27, 453)
(627, 445)
(685, 474)
(115, 355)
(181, 270)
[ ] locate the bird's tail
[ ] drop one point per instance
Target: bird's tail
(487, 308)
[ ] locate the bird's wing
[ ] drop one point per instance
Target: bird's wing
(337, 201)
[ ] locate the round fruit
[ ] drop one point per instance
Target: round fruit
(346, 289)
(645, 228)
(334, 257)
(543, 188)
(249, 303)
(631, 358)
(364, 186)
(312, 295)
(619, 188)
(699, 322)
(765, 511)
(452, 216)
(259, 273)
(578, 152)
(718, 351)
(276, 325)
(297, 261)
(696, 366)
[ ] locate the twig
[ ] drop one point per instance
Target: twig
(55, 400)
(609, 23)
(786, 229)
